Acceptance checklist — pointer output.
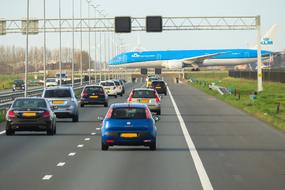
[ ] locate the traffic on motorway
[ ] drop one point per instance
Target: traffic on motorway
(132, 122)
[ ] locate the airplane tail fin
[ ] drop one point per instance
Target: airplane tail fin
(267, 41)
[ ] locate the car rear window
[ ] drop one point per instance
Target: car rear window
(158, 83)
(107, 84)
(57, 93)
(117, 83)
(128, 113)
(144, 94)
(51, 80)
(29, 103)
(92, 89)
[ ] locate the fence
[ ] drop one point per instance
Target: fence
(268, 75)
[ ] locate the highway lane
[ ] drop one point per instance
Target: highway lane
(29, 158)
(237, 151)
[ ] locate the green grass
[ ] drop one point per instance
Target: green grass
(6, 81)
(264, 107)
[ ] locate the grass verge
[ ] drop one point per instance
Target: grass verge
(265, 107)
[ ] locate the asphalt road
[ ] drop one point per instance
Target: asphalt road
(236, 151)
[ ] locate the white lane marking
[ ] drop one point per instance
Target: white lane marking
(47, 177)
(60, 164)
(72, 154)
(98, 128)
(87, 139)
(80, 145)
(204, 179)
(2, 132)
(93, 133)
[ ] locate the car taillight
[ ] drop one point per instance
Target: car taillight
(147, 113)
(157, 99)
(84, 94)
(130, 97)
(11, 114)
(46, 114)
(109, 113)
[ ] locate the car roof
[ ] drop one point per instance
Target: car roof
(137, 89)
(30, 98)
(93, 85)
(127, 105)
(59, 87)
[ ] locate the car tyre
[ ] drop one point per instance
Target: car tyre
(54, 129)
(75, 118)
(104, 146)
(165, 93)
(106, 104)
(152, 146)
(50, 131)
(10, 132)
(116, 96)
(82, 105)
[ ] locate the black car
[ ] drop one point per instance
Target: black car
(94, 94)
(30, 114)
(159, 86)
(18, 85)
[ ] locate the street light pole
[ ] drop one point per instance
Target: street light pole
(45, 47)
(89, 43)
(60, 59)
(27, 48)
(81, 64)
(72, 66)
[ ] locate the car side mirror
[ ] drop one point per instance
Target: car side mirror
(100, 118)
(156, 118)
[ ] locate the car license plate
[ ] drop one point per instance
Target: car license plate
(93, 97)
(58, 102)
(144, 101)
(158, 87)
(129, 135)
(29, 114)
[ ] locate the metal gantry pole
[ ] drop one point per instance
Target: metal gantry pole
(45, 47)
(27, 49)
(95, 45)
(100, 54)
(72, 66)
(60, 59)
(259, 60)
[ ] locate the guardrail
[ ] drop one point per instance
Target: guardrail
(7, 99)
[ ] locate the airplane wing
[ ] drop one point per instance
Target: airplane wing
(199, 59)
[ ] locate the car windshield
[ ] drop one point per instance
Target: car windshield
(143, 94)
(107, 83)
(18, 81)
(51, 80)
(128, 113)
(92, 89)
(29, 103)
(58, 93)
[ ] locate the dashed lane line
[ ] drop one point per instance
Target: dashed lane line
(60, 164)
(80, 145)
(47, 177)
(2, 132)
(72, 154)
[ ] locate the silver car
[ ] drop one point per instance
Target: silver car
(146, 96)
(63, 102)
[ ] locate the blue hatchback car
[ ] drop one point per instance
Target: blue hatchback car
(129, 124)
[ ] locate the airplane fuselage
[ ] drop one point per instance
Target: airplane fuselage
(176, 58)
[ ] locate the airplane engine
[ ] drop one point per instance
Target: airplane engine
(172, 64)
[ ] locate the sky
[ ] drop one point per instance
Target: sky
(271, 12)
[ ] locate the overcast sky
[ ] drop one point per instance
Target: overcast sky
(272, 12)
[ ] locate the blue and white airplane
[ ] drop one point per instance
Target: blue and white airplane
(175, 59)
